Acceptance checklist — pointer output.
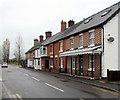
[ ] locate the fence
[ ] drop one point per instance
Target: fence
(113, 75)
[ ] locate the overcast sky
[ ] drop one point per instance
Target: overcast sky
(31, 18)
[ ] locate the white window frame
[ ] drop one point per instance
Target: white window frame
(51, 52)
(61, 46)
(61, 62)
(73, 62)
(51, 63)
(91, 37)
(81, 40)
(90, 61)
(72, 43)
(44, 51)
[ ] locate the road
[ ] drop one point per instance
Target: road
(27, 83)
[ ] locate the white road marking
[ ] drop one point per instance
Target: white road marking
(18, 96)
(13, 96)
(26, 74)
(35, 79)
(54, 87)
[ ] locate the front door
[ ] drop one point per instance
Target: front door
(47, 64)
(56, 63)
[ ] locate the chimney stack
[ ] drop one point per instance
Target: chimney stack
(41, 38)
(63, 25)
(71, 23)
(48, 34)
(35, 41)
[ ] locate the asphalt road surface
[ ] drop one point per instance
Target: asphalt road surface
(27, 83)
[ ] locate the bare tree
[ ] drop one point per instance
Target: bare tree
(0, 54)
(6, 50)
(18, 53)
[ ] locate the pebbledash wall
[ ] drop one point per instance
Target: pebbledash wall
(110, 52)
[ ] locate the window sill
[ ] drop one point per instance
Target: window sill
(61, 51)
(90, 69)
(72, 49)
(91, 45)
(80, 47)
(51, 53)
(51, 66)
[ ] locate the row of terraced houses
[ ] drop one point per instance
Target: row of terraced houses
(86, 49)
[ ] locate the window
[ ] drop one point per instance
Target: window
(72, 42)
(87, 20)
(44, 50)
(40, 50)
(61, 45)
(37, 53)
(51, 48)
(73, 62)
(61, 62)
(90, 62)
(51, 62)
(81, 40)
(91, 38)
(105, 13)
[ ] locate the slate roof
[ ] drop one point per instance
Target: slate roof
(33, 48)
(98, 19)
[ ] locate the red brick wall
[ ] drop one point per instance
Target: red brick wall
(76, 41)
(97, 65)
(86, 39)
(98, 34)
(68, 44)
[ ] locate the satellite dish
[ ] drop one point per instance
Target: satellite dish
(110, 39)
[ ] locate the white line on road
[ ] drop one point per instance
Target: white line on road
(54, 87)
(26, 74)
(35, 79)
(18, 96)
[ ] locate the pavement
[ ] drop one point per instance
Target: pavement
(102, 83)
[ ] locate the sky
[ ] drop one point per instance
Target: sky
(32, 18)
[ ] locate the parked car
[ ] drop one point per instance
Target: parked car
(4, 65)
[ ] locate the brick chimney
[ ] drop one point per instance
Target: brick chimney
(41, 38)
(35, 41)
(48, 34)
(63, 25)
(71, 23)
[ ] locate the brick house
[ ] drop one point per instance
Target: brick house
(87, 48)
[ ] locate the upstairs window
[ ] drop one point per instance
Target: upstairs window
(72, 42)
(105, 13)
(81, 40)
(88, 20)
(91, 37)
(61, 45)
(51, 48)
(44, 50)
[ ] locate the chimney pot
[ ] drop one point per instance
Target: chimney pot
(63, 25)
(48, 34)
(35, 41)
(71, 23)
(41, 38)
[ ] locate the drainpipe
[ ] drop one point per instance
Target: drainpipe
(71, 65)
(101, 65)
(75, 64)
